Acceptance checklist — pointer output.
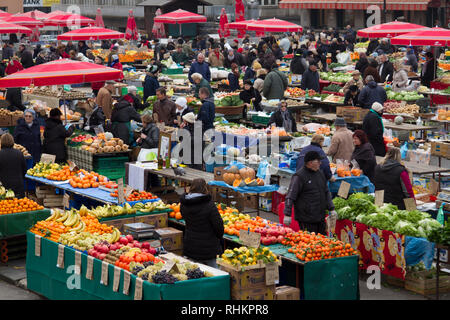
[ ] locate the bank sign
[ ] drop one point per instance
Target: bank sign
(40, 3)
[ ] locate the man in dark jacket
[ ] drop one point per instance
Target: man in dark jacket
(373, 44)
(385, 69)
(350, 35)
(26, 57)
(28, 134)
(411, 59)
(133, 98)
(151, 82)
(230, 59)
(200, 66)
(351, 96)
(308, 193)
(179, 56)
(123, 112)
(8, 51)
(298, 64)
(384, 47)
(283, 118)
(275, 84)
(371, 93)
(374, 128)
(207, 110)
(55, 135)
(310, 79)
(164, 110)
(428, 72)
(14, 97)
(362, 63)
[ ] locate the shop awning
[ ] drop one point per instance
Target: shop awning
(413, 5)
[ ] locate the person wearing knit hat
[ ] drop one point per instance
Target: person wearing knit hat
(182, 109)
(115, 63)
(374, 128)
(133, 98)
(189, 117)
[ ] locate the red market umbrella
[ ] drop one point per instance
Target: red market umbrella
(180, 16)
(223, 29)
(158, 27)
(68, 20)
(38, 15)
(239, 15)
(132, 32)
(242, 25)
(436, 37)
(4, 14)
(91, 33)
(389, 30)
(56, 13)
(60, 72)
(35, 35)
(6, 27)
(99, 19)
(24, 21)
(274, 25)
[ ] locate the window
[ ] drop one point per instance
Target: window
(268, 2)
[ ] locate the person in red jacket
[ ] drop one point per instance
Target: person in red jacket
(116, 63)
(13, 66)
(96, 86)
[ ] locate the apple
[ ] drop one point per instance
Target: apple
(123, 240)
(280, 239)
(129, 237)
(95, 254)
(152, 250)
(104, 249)
(114, 247)
(102, 256)
(137, 244)
(145, 245)
(90, 251)
(273, 239)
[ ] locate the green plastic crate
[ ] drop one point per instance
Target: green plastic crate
(112, 174)
(110, 163)
(172, 71)
(260, 120)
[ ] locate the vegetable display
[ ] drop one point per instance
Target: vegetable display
(403, 95)
(360, 207)
(336, 77)
(333, 88)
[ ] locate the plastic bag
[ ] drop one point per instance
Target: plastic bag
(404, 150)
(343, 57)
(261, 173)
(440, 216)
(355, 164)
(417, 250)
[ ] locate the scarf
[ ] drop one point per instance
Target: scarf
(217, 55)
(379, 117)
(287, 123)
(231, 58)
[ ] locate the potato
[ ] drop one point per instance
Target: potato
(125, 147)
(118, 148)
(120, 142)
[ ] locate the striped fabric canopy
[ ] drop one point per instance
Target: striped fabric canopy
(389, 30)
(24, 21)
(60, 72)
(274, 25)
(91, 33)
(180, 16)
(6, 27)
(436, 37)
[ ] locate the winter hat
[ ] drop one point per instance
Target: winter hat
(311, 156)
(182, 102)
(240, 50)
(378, 107)
(189, 117)
(340, 122)
(33, 113)
(132, 89)
(115, 57)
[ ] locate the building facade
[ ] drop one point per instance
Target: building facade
(11, 6)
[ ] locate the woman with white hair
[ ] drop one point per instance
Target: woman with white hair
(182, 109)
(133, 98)
(400, 78)
(201, 82)
(28, 134)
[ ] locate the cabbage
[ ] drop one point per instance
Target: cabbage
(379, 220)
(339, 203)
(345, 213)
(429, 225)
(406, 228)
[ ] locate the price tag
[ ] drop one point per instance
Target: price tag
(60, 262)
(77, 262)
(344, 189)
(155, 244)
(379, 198)
(48, 158)
(434, 186)
(90, 267)
(116, 279)
(250, 239)
(138, 289)
(410, 177)
(410, 204)
(104, 277)
(272, 273)
(121, 198)
(128, 191)
(126, 282)
(72, 166)
(66, 201)
(168, 266)
(37, 245)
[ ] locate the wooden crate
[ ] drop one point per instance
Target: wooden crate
(440, 148)
(418, 283)
(5, 121)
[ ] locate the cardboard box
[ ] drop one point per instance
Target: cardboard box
(287, 293)
(265, 204)
(253, 278)
(218, 173)
(171, 238)
(440, 148)
(263, 293)
(159, 220)
(119, 223)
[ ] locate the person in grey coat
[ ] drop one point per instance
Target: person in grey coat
(309, 194)
(275, 84)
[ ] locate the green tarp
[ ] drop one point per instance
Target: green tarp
(19, 223)
(45, 278)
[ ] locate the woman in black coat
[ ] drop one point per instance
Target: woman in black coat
(374, 128)
(204, 226)
(12, 166)
(123, 112)
(364, 154)
(250, 94)
(283, 118)
(28, 134)
(149, 138)
(55, 135)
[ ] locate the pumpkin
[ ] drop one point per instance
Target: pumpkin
(229, 178)
(260, 182)
(247, 173)
(237, 182)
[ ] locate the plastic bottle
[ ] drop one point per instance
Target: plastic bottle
(419, 121)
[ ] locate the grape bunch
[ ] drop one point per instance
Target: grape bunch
(195, 273)
(136, 270)
(148, 263)
(162, 277)
(144, 276)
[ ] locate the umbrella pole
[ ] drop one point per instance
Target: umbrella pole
(180, 29)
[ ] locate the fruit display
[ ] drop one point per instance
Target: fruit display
(242, 177)
(6, 194)
(298, 93)
(136, 255)
(151, 206)
(336, 77)
(51, 230)
(325, 130)
(6, 112)
(84, 179)
(333, 99)
(135, 195)
(402, 108)
(62, 175)
(311, 247)
(42, 169)
(345, 172)
(81, 138)
(104, 143)
(112, 211)
(10, 206)
(244, 131)
(243, 256)
(175, 213)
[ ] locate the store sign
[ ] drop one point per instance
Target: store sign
(40, 3)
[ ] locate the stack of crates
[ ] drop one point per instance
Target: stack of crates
(111, 167)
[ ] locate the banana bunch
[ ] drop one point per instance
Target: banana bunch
(87, 240)
(152, 206)
(69, 218)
